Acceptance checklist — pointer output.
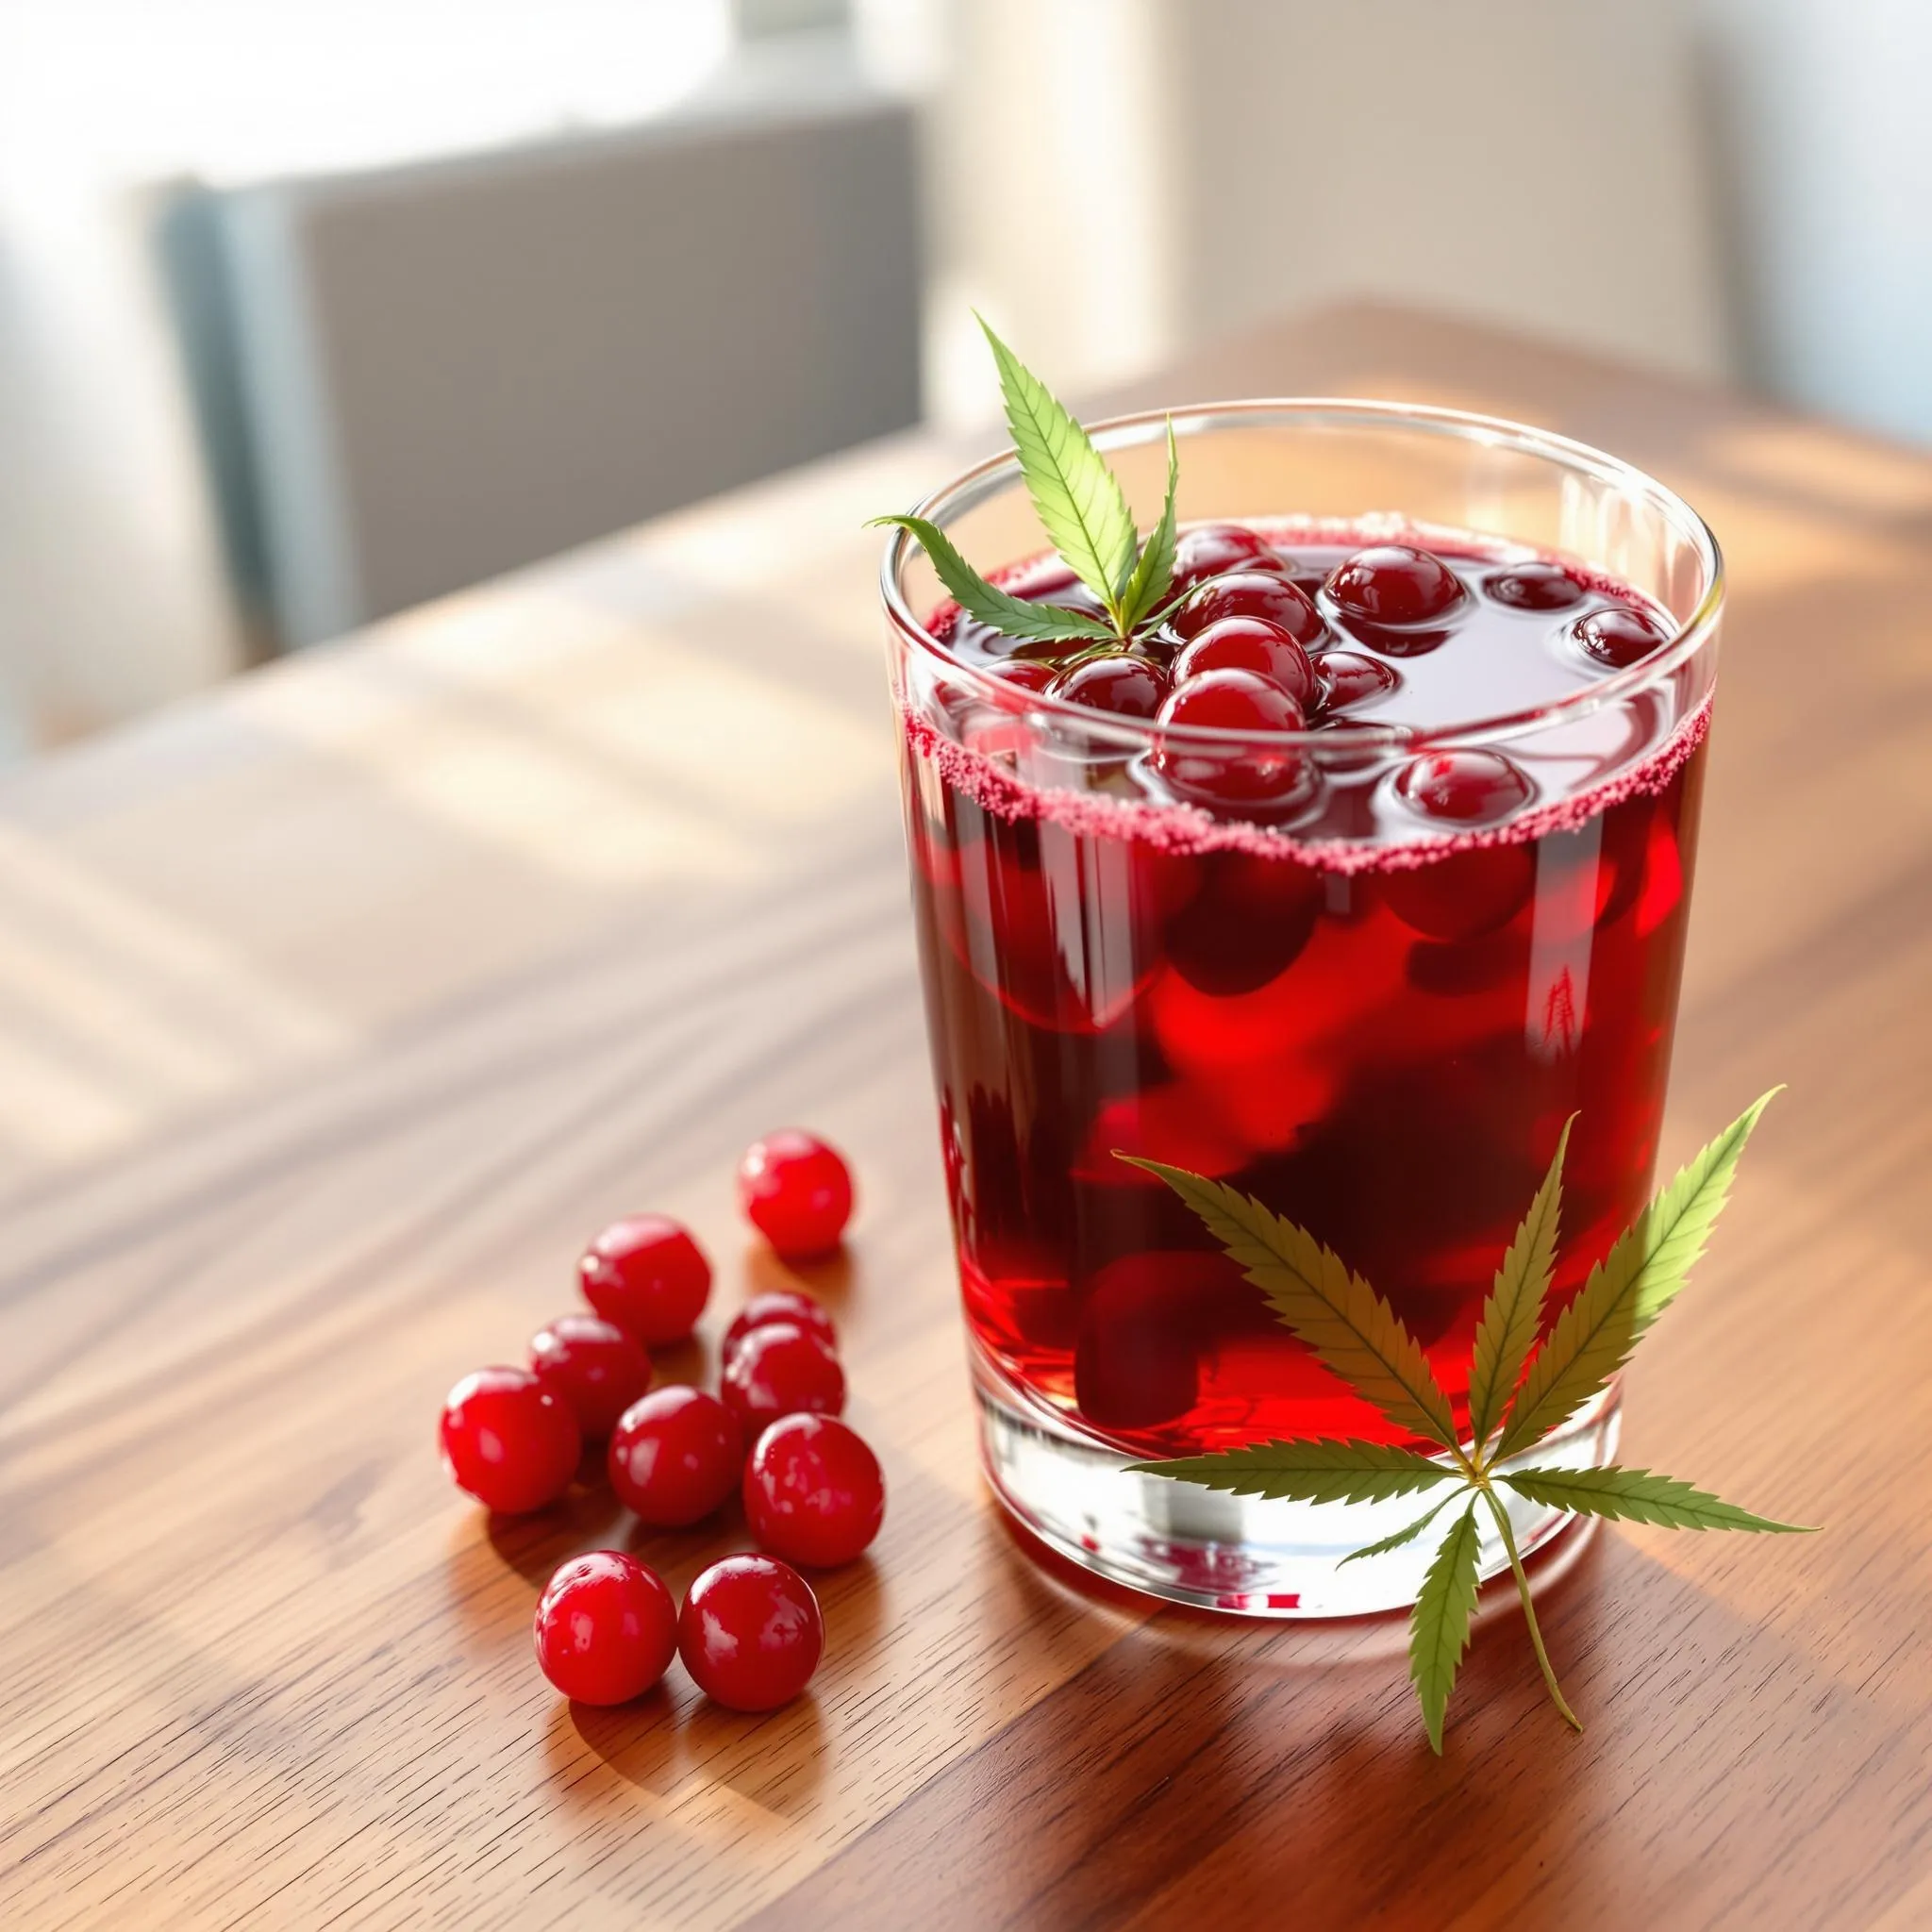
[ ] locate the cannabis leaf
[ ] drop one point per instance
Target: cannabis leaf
(1036, 624)
(1523, 1390)
(1154, 572)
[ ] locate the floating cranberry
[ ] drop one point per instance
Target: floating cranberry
(1025, 673)
(1210, 549)
(1120, 682)
(1250, 593)
(797, 1190)
(606, 1628)
(1464, 894)
(647, 1275)
(675, 1456)
(1232, 701)
(1469, 788)
(814, 1493)
(1618, 635)
(595, 1368)
(779, 1304)
(508, 1440)
(1352, 677)
(1252, 917)
(1249, 644)
(1393, 583)
(750, 1633)
(1534, 586)
(781, 1369)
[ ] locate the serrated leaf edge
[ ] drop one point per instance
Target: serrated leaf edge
(1673, 1504)
(1438, 1623)
(1040, 624)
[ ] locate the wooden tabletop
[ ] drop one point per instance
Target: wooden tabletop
(338, 1008)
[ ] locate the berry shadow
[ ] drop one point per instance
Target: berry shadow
(829, 1278)
(534, 1545)
(642, 1741)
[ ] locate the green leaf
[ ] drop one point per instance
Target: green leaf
(1439, 1625)
(1351, 1328)
(1311, 1472)
(1640, 1497)
(1153, 574)
(1514, 1310)
(1078, 498)
(1037, 624)
(1627, 1290)
(1400, 1536)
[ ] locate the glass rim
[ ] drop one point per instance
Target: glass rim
(985, 480)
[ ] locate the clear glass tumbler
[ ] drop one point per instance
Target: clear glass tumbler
(1377, 1032)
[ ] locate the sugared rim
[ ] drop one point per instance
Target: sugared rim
(985, 480)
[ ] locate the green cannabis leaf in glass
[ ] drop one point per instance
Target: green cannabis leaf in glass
(1084, 512)
(1519, 1392)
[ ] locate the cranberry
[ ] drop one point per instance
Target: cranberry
(606, 1628)
(1122, 682)
(508, 1440)
(1534, 586)
(1471, 787)
(1248, 923)
(797, 1190)
(1393, 583)
(1027, 673)
(595, 1368)
(812, 1491)
(781, 1369)
(647, 1275)
(1352, 677)
(1618, 635)
(1210, 549)
(1250, 593)
(779, 1304)
(1250, 643)
(750, 1633)
(1464, 896)
(675, 1456)
(1232, 701)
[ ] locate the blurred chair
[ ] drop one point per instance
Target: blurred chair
(415, 378)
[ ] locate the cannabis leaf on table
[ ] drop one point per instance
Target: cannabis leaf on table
(1083, 511)
(1519, 1392)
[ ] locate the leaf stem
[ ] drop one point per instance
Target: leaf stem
(1536, 1635)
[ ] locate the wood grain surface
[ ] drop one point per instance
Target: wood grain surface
(337, 1008)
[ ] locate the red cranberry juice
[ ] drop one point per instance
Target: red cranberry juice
(1371, 1000)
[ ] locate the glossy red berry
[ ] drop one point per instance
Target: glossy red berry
(1468, 787)
(1464, 896)
(1393, 583)
(781, 1370)
(647, 1275)
(814, 1493)
(1535, 585)
(1210, 549)
(508, 1440)
(606, 1628)
(1120, 682)
(593, 1366)
(1232, 701)
(1618, 635)
(779, 1304)
(750, 1633)
(1249, 644)
(675, 1456)
(1352, 677)
(1250, 593)
(1025, 674)
(797, 1190)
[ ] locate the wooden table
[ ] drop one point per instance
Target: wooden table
(336, 1007)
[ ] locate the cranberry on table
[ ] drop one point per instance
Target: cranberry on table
(1120, 682)
(781, 1369)
(779, 1304)
(647, 1275)
(1535, 585)
(1352, 677)
(606, 1628)
(1467, 787)
(1619, 636)
(814, 1493)
(797, 1190)
(594, 1367)
(750, 1633)
(508, 1440)
(1393, 583)
(1232, 701)
(675, 1456)
(1249, 644)
(1250, 593)
(1209, 549)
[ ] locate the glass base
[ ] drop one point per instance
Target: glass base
(1246, 1554)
